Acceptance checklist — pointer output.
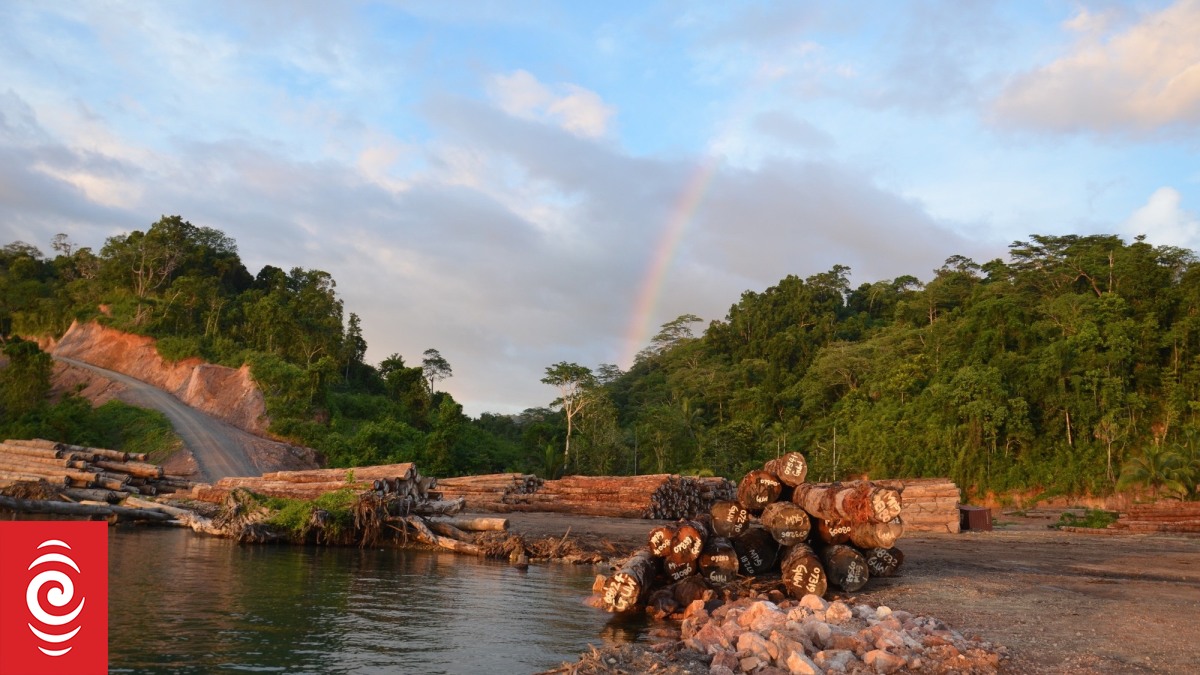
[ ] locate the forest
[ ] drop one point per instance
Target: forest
(1072, 367)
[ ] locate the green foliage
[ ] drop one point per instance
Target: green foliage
(295, 515)
(1092, 518)
(114, 425)
(25, 382)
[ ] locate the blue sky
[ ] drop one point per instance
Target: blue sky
(498, 180)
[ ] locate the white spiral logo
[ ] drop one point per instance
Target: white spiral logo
(59, 596)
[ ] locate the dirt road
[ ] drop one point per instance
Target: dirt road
(219, 449)
(1060, 602)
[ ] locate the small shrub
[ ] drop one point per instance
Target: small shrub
(1092, 518)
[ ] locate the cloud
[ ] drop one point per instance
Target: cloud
(1164, 221)
(572, 107)
(784, 126)
(1139, 80)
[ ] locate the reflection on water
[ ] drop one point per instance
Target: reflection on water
(186, 603)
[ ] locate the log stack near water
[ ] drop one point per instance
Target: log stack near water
(657, 496)
(816, 536)
(95, 473)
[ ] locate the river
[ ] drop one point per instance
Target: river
(183, 603)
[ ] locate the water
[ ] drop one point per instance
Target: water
(184, 603)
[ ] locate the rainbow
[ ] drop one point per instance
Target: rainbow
(638, 332)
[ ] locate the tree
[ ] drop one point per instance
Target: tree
(25, 383)
(573, 382)
(435, 368)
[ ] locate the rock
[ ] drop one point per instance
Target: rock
(883, 611)
(758, 646)
(709, 639)
(884, 662)
(727, 660)
(762, 611)
(721, 670)
(814, 602)
(838, 613)
(799, 664)
(749, 663)
(819, 632)
(834, 660)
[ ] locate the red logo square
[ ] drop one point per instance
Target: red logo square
(53, 597)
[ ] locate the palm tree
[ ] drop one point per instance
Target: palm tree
(1163, 471)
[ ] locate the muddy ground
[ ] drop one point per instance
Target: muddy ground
(1060, 602)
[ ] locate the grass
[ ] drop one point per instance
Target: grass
(295, 515)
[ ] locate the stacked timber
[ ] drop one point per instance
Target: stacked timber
(817, 536)
(489, 492)
(657, 496)
(930, 504)
(77, 467)
(401, 481)
(1164, 516)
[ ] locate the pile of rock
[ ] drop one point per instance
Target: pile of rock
(812, 635)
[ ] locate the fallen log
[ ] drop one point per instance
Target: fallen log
(74, 509)
(479, 524)
(426, 536)
(677, 571)
(629, 586)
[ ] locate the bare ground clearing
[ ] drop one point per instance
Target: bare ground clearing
(1061, 602)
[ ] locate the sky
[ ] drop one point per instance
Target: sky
(520, 184)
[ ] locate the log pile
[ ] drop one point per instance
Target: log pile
(657, 496)
(490, 492)
(1164, 516)
(78, 467)
(401, 480)
(816, 536)
(930, 504)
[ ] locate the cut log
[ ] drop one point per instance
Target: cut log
(689, 590)
(629, 586)
(791, 469)
(73, 509)
(729, 519)
(139, 469)
(802, 572)
(687, 542)
(831, 531)
(677, 571)
(876, 535)
(858, 501)
(660, 540)
(845, 567)
(479, 524)
(788, 523)
(718, 561)
(403, 470)
(756, 550)
(884, 562)
(425, 535)
(757, 489)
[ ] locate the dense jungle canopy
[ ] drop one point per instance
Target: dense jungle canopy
(1054, 371)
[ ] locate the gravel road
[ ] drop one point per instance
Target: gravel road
(219, 449)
